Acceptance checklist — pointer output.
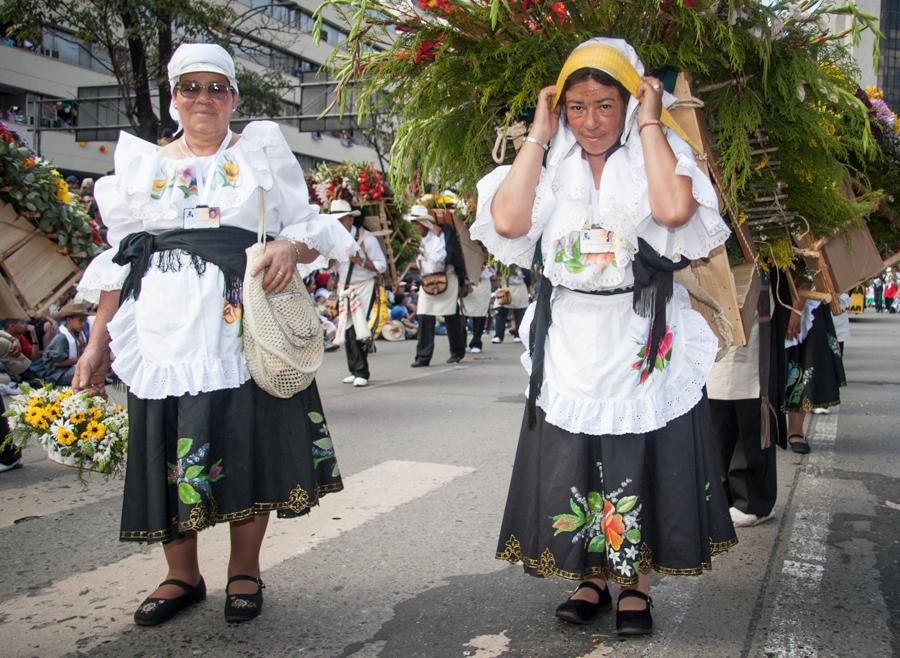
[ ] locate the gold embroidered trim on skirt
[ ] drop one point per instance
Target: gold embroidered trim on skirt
(545, 565)
(202, 517)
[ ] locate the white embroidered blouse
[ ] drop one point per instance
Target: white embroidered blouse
(596, 378)
(182, 335)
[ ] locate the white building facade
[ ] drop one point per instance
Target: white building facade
(56, 68)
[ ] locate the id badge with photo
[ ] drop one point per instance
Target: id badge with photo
(202, 217)
(596, 241)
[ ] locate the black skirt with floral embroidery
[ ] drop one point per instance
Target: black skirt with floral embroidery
(226, 455)
(616, 505)
(815, 367)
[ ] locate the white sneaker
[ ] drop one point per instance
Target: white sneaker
(743, 520)
(496, 340)
(821, 411)
(360, 381)
(349, 379)
(475, 350)
(517, 340)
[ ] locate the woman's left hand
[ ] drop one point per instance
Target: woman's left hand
(279, 262)
(649, 93)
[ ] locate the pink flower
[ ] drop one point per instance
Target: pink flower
(666, 343)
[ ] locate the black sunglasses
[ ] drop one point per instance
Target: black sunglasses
(215, 90)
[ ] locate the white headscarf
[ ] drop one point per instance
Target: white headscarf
(195, 57)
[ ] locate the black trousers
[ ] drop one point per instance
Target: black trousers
(478, 325)
(10, 453)
(357, 357)
(500, 321)
(456, 334)
(748, 471)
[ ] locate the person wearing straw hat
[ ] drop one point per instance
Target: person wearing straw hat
(440, 255)
(357, 287)
(205, 444)
(615, 473)
(59, 359)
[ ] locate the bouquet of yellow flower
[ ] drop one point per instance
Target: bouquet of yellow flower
(77, 429)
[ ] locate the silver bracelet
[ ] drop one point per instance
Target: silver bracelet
(296, 248)
(533, 140)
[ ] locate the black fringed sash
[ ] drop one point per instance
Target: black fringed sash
(654, 284)
(224, 247)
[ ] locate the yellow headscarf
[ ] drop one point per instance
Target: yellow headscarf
(611, 60)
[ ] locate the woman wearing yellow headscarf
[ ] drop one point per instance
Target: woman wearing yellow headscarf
(615, 473)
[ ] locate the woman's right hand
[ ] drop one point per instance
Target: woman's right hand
(546, 121)
(90, 370)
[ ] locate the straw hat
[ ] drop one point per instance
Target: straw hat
(393, 331)
(69, 310)
(419, 214)
(341, 208)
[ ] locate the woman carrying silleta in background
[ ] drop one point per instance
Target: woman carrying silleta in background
(615, 472)
(205, 444)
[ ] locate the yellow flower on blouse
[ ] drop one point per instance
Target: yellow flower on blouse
(231, 171)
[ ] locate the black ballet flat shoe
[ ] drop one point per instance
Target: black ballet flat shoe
(801, 447)
(454, 359)
(243, 607)
(634, 622)
(579, 611)
(155, 611)
(418, 364)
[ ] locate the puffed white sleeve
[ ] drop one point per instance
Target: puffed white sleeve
(704, 231)
(102, 274)
(288, 199)
(512, 251)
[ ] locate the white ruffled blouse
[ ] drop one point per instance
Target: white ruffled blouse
(596, 376)
(182, 335)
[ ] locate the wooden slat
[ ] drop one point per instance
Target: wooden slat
(9, 305)
(37, 270)
(714, 276)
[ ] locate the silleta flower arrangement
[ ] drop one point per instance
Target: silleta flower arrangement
(360, 184)
(88, 432)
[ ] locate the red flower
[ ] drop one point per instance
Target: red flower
(665, 344)
(612, 525)
(441, 5)
(562, 14)
(428, 49)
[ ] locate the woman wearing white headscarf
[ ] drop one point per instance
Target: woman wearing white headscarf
(206, 444)
(615, 473)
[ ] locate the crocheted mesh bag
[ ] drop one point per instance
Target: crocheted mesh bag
(283, 338)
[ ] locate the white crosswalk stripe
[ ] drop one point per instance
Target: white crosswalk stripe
(85, 609)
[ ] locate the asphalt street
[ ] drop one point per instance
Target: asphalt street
(401, 563)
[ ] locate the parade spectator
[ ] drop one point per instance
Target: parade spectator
(615, 472)
(193, 408)
(26, 335)
(440, 256)
(878, 288)
(62, 354)
(400, 312)
(890, 291)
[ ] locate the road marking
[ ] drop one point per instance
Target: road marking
(803, 567)
(82, 611)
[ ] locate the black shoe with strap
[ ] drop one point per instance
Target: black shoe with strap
(243, 607)
(634, 622)
(581, 611)
(801, 447)
(155, 611)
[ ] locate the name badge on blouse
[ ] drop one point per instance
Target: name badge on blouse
(202, 217)
(596, 241)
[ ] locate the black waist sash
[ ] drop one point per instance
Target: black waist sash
(653, 288)
(224, 247)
